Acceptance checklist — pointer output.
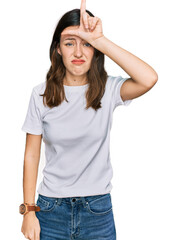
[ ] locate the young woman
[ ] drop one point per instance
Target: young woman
(72, 112)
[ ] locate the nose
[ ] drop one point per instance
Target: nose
(78, 51)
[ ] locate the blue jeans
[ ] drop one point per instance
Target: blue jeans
(81, 218)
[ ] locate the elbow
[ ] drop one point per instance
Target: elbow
(153, 81)
(155, 77)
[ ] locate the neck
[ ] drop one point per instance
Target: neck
(71, 80)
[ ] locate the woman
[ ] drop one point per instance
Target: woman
(72, 112)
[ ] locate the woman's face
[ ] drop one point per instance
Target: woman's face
(75, 48)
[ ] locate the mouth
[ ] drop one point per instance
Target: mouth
(78, 62)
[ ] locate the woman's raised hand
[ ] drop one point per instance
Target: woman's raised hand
(90, 28)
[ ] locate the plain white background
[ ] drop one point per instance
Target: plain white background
(143, 134)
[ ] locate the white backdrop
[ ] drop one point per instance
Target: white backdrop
(144, 193)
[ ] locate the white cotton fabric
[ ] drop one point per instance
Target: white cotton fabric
(76, 140)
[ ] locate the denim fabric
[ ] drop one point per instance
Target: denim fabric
(82, 218)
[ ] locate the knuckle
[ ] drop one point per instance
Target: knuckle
(30, 236)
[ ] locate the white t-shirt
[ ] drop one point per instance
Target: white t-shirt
(76, 140)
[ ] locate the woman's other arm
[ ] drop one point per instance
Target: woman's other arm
(30, 167)
(30, 226)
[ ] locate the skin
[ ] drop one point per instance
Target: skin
(73, 47)
(142, 79)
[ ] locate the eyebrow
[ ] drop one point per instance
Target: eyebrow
(69, 39)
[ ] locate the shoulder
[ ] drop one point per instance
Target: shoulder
(112, 81)
(39, 88)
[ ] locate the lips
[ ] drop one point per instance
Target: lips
(78, 61)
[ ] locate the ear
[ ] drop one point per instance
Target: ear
(59, 51)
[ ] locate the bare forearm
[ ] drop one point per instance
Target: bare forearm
(30, 172)
(136, 68)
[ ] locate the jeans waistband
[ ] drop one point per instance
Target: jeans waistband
(75, 200)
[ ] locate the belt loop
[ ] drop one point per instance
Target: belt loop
(58, 201)
(84, 201)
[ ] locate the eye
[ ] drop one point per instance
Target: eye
(68, 43)
(88, 44)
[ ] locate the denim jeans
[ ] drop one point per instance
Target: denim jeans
(81, 218)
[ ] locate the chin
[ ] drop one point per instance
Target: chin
(79, 72)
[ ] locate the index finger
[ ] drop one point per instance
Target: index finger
(83, 6)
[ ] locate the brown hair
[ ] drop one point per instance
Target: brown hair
(97, 76)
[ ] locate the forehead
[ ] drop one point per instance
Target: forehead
(70, 37)
(66, 36)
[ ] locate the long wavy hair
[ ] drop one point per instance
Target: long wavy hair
(54, 93)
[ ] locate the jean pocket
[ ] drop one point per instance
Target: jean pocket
(101, 205)
(46, 204)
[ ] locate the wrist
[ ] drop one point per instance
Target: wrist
(97, 41)
(31, 213)
(30, 203)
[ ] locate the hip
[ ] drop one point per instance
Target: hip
(89, 217)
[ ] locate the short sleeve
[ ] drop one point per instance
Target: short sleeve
(33, 122)
(116, 85)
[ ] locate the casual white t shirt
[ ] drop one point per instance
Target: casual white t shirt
(76, 140)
